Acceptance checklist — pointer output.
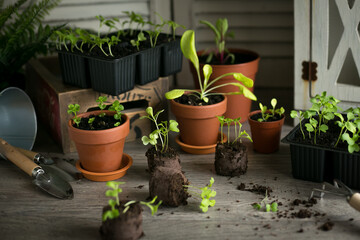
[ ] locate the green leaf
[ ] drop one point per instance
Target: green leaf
(112, 184)
(242, 91)
(212, 27)
(350, 126)
(309, 127)
(149, 110)
(111, 193)
(211, 182)
(267, 207)
(323, 128)
(174, 93)
(187, 44)
(212, 202)
(248, 82)
(294, 114)
(273, 102)
(274, 207)
(346, 137)
(173, 126)
(145, 140)
(207, 69)
(256, 206)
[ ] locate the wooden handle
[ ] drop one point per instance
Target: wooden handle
(354, 201)
(16, 157)
(29, 154)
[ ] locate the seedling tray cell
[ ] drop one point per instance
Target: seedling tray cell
(171, 58)
(74, 69)
(148, 65)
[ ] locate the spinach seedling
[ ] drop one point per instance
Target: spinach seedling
(187, 44)
(267, 114)
(73, 109)
(114, 192)
(161, 132)
(117, 107)
(273, 207)
(238, 133)
(206, 194)
(102, 105)
(136, 43)
(221, 33)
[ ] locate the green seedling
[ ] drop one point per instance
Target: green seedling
(114, 193)
(206, 194)
(221, 33)
(153, 35)
(162, 130)
(134, 18)
(102, 105)
(173, 25)
(273, 207)
(267, 114)
(136, 43)
(238, 133)
(98, 41)
(110, 23)
(91, 120)
(117, 107)
(301, 115)
(74, 109)
(350, 129)
(188, 49)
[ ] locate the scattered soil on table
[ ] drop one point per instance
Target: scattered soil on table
(307, 203)
(258, 189)
(126, 226)
(303, 213)
(231, 159)
(195, 101)
(169, 159)
(326, 226)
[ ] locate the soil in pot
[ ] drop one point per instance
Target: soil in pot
(168, 185)
(127, 226)
(231, 159)
(239, 59)
(195, 101)
(99, 123)
(169, 159)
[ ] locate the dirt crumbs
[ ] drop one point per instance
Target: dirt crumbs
(326, 226)
(306, 203)
(258, 189)
(302, 213)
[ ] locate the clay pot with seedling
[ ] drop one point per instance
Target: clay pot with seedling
(265, 126)
(231, 156)
(196, 110)
(123, 219)
(99, 137)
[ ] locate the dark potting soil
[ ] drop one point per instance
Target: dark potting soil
(169, 158)
(126, 226)
(231, 159)
(195, 101)
(326, 226)
(239, 58)
(255, 117)
(168, 185)
(259, 189)
(100, 123)
(303, 213)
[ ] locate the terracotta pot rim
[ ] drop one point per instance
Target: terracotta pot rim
(234, 50)
(259, 111)
(203, 107)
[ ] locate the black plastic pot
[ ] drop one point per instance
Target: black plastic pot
(171, 58)
(148, 65)
(319, 163)
(74, 69)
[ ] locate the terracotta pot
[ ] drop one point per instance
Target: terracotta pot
(100, 150)
(265, 135)
(198, 125)
(237, 105)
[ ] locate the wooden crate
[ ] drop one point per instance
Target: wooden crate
(51, 99)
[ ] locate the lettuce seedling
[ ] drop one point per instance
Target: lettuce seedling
(187, 44)
(270, 113)
(114, 192)
(205, 195)
(238, 133)
(273, 207)
(161, 132)
(74, 109)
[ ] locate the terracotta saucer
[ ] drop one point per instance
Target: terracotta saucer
(199, 149)
(107, 176)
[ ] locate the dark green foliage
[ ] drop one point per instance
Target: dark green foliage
(22, 34)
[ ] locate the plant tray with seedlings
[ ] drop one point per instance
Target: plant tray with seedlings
(325, 144)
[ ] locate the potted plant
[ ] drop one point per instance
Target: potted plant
(123, 219)
(224, 60)
(325, 144)
(265, 126)
(231, 156)
(160, 154)
(22, 36)
(99, 138)
(196, 110)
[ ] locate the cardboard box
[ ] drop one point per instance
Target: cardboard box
(51, 99)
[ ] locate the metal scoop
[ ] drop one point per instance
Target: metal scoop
(352, 198)
(48, 182)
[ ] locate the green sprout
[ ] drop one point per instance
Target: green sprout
(205, 195)
(102, 105)
(117, 107)
(350, 126)
(238, 133)
(73, 109)
(136, 43)
(270, 113)
(273, 207)
(161, 132)
(114, 192)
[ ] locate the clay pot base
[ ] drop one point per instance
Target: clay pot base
(199, 149)
(107, 176)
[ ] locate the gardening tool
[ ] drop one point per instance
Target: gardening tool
(352, 198)
(48, 182)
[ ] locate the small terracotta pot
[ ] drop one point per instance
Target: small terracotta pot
(237, 105)
(100, 150)
(198, 125)
(265, 135)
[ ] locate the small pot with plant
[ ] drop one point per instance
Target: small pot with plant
(160, 154)
(231, 156)
(123, 219)
(224, 60)
(325, 144)
(196, 110)
(99, 138)
(265, 126)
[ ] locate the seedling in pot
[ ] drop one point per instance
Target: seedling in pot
(188, 49)
(206, 194)
(136, 43)
(117, 107)
(301, 116)
(162, 130)
(74, 109)
(267, 114)
(171, 24)
(110, 23)
(273, 207)
(102, 105)
(153, 35)
(350, 126)
(238, 133)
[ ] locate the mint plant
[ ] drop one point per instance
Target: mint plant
(221, 33)
(187, 44)
(162, 130)
(206, 194)
(238, 133)
(273, 207)
(74, 109)
(267, 114)
(114, 202)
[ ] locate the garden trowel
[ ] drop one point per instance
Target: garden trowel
(46, 181)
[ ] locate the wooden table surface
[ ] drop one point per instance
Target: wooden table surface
(28, 213)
